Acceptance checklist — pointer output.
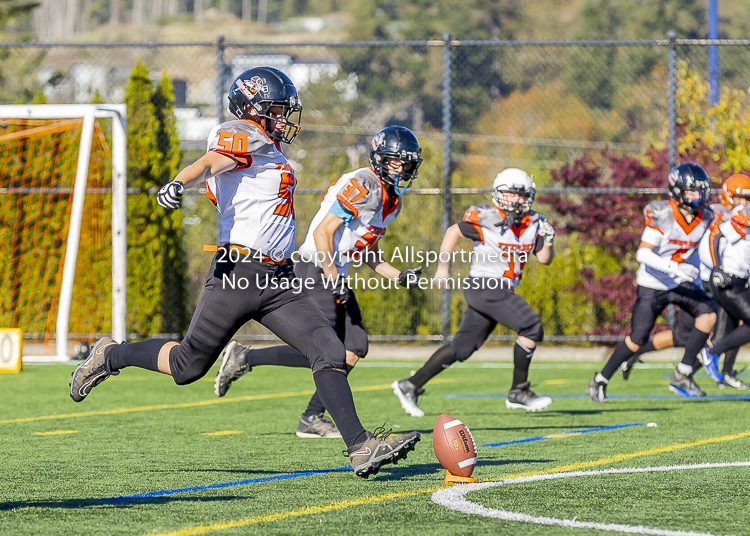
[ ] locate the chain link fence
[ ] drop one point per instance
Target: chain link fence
(476, 106)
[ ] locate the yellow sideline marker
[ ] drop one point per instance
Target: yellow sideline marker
(203, 529)
(10, 349)
(57, 432)
(223, 432)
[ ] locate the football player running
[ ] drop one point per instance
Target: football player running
(729, 283)
(354, 215)
(735, 191)
(252, 185)
(669, 274)
(504, 234)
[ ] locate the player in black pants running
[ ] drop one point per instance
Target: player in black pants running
(252, 185)
(505, 233)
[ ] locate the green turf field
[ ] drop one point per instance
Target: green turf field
(69, 468)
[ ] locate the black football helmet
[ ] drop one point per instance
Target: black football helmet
(689, 177)
(262, 88)
(396, 143)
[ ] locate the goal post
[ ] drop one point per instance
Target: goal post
(34, 134)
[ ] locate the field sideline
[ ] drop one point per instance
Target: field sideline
(144, 456)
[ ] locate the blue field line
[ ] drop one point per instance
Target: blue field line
(284, 476)
(668, 397)
(556, 436)
(704, 375)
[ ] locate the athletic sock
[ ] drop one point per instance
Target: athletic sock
(600, 379)
(336, 395)
(646, 348)
(315, 406)
(739, 336)
(521, 360)
(440, 360)
(730, 356)
(621, 354)
(144, 354)
(682, 368)
(283, 356)
(694, 344)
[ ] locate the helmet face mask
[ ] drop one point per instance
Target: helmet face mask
(396, 143)
(513, 181)
(262, 89)
(689, 177)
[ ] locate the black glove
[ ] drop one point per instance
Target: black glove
(410, 277)
(170, 194)
(719, 278)
(340, 291)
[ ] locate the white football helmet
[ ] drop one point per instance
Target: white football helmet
(517, 181)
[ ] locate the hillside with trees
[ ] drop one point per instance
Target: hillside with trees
(336, 20)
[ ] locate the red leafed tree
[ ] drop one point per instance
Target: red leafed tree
(613, 222)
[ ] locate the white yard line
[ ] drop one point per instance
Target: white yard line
(454, 498)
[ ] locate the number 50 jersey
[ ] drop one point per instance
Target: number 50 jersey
(256, 198)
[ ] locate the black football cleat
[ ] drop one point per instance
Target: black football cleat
(93, 371)
(380, 449)
(597, 391)
(233, 367)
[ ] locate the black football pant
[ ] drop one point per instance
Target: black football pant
(234, 294)
(345, 319)
(729, 335)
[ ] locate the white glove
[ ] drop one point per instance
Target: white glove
(170, 194)
(547, 232)
(682, 272)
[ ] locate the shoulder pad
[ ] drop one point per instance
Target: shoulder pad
(537, 217)
(720, 209)
(361, 192)
(238, 138)
(483, 215)
(658, 215)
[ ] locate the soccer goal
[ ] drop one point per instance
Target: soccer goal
(63, 202)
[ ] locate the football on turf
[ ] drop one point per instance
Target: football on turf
(454, 446)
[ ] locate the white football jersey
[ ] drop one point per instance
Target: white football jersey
(256, 198)
(674, 238)
(370, 208)
(500, 251)
(735, 255)
(707, 248)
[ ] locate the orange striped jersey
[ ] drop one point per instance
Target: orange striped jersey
(674, 237)
(734, 257)
(256, 198)
(500, 251)
(712, 242)
(367, 208)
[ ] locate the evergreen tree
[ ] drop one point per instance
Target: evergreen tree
(155, 272)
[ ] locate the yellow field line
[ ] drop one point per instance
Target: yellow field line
(294, 513)
(200, 403)
(202, 529)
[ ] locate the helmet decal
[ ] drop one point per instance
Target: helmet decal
(378, 140)
(258, 84)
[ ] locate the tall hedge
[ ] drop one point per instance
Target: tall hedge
(156, 275)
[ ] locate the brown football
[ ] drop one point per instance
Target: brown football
(454, 446)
